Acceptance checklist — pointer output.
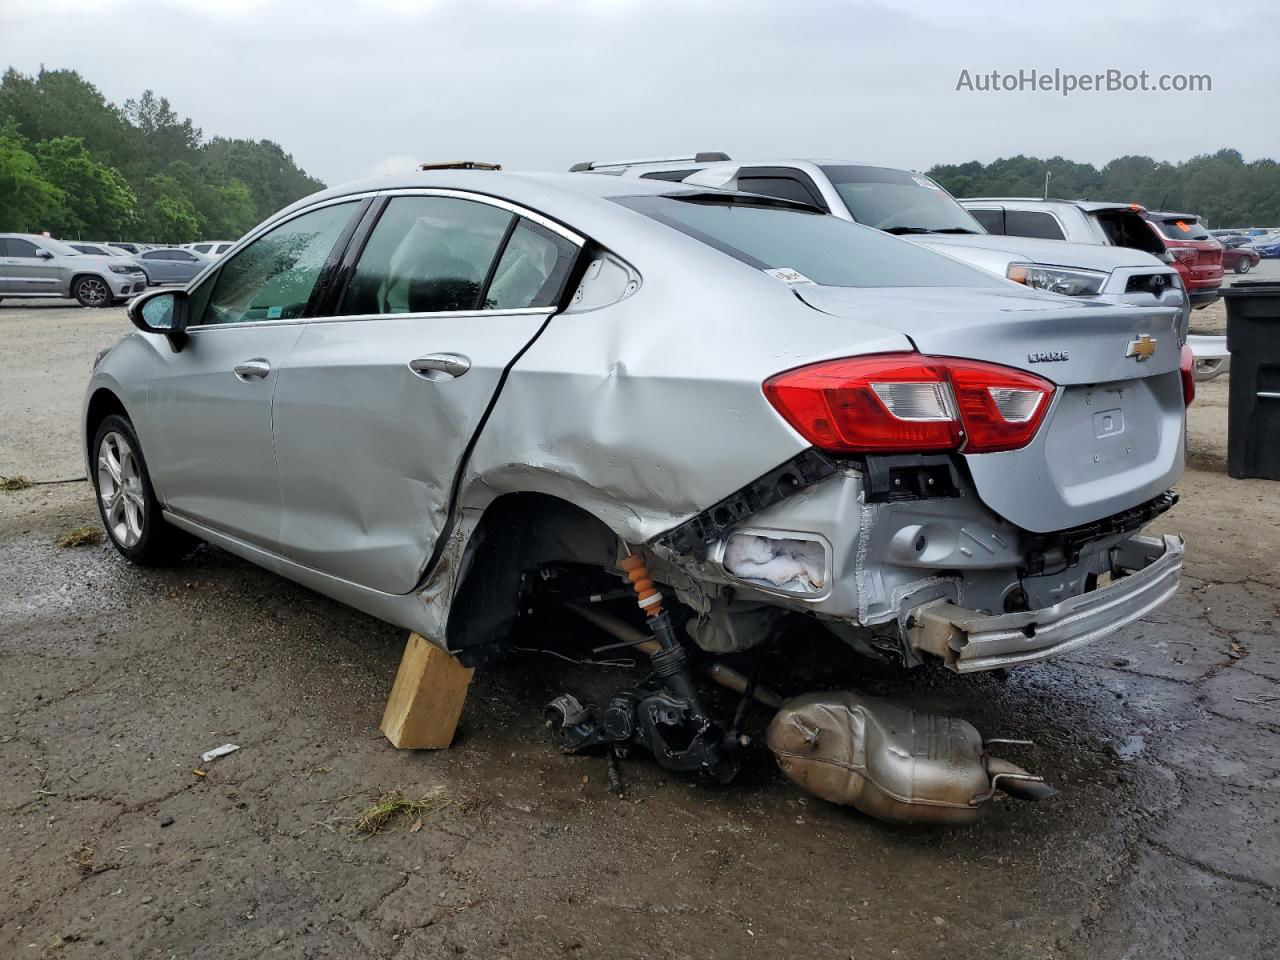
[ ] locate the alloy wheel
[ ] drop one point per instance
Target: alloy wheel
(120, 487)
(93, 291)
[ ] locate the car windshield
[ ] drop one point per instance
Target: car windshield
(1184, 228)
(60, 248)
(822, 248)
(899, 201)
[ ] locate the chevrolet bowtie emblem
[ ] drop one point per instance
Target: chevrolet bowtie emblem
(1141, 348)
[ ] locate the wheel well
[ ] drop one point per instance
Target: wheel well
(518, 533)
(80, 276)
(102, 404)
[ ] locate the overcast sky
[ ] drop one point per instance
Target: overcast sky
(539, 84)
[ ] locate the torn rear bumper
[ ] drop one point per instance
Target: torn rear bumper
(970, 641)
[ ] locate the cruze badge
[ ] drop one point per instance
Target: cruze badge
(1142, 348)
(1048, 356)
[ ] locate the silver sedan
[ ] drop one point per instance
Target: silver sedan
(171, 264)
(450, 397)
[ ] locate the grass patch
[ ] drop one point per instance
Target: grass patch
(14, 484)
(80, 537)
(393, 804)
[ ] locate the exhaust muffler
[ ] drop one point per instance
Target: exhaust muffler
(891, 762)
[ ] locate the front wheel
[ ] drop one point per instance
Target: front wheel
(92, 292)
(127, 501)
(1244, 265)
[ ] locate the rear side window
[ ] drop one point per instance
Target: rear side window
(822, 248)
(992, 220)
(1032, 223)
(1181, 228)
(272, 278)
(201, 248)
(532, 270)
(426, 255)
(784, 188)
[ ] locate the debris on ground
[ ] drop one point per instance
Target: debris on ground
(82, 856)
(85, 536)
(217, 752)
(391, 804)
(14, 484)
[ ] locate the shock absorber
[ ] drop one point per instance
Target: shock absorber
(670, 662)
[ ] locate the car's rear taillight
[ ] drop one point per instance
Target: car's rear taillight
(1187, 367)
(910, 402)
(1185, 254)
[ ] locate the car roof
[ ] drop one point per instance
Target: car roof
(1088, 206)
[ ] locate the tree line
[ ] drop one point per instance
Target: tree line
(81, 167)
(1220, 187)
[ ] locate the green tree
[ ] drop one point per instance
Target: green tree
(28, 201)
(168, 214)
(98, 201)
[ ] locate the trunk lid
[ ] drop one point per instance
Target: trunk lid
(1113, 436)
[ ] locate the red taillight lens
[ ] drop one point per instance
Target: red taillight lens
(1185, 254)
(906, 401)
(1187, 367)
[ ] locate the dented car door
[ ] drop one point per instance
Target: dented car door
(378, 403)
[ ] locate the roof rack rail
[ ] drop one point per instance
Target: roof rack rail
(460, 165)
(708, 156)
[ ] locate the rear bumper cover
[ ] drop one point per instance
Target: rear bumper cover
(970, 642)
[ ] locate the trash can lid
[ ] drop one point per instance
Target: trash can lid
(1253, 288)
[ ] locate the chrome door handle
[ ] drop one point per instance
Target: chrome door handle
(440, 366)
(252, 369)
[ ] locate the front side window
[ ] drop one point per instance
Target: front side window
(13, 247)
(822, 248)
(426, 255)
(272, 278)
(784, 188)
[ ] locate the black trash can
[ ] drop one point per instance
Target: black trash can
(1253, 412)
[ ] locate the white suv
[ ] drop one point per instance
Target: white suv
(912, 205)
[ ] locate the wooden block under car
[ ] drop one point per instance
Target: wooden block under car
(426, 699)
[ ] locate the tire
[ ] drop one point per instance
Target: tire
(127, 502)
(1244, 265)
(91, 291)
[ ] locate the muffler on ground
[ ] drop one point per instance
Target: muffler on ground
(891, 762)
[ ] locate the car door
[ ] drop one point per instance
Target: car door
(184, 265)
(27, 272)
(210, 448)
(157, 265)
(377, 404)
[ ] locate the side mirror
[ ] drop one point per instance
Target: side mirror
(162, 311)
(43, 254)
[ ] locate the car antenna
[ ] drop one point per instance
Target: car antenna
(1047, 175)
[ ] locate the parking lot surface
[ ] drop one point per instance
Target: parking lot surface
(1164, 742)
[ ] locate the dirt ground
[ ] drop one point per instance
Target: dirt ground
(1164, 742)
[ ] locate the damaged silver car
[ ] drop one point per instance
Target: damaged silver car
(433, 396)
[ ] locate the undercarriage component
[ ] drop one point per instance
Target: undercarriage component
(664, 715)
(695, 536)
(910, 477)
(891, 762)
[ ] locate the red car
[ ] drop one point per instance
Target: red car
(1197, 256)
(1237, 257)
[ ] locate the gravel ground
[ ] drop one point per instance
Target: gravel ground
(1164, 742)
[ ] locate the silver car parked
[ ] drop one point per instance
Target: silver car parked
(437, 396)
(37, 266)
(171, 264)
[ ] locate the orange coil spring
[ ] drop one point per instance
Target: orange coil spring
(647, 594)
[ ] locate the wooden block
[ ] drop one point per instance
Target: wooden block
(426, 699)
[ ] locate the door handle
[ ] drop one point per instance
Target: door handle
(440, 366)
(252, 369)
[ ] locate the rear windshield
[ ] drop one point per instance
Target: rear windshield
(823, 248)
(1183, 228)
(890, 199)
